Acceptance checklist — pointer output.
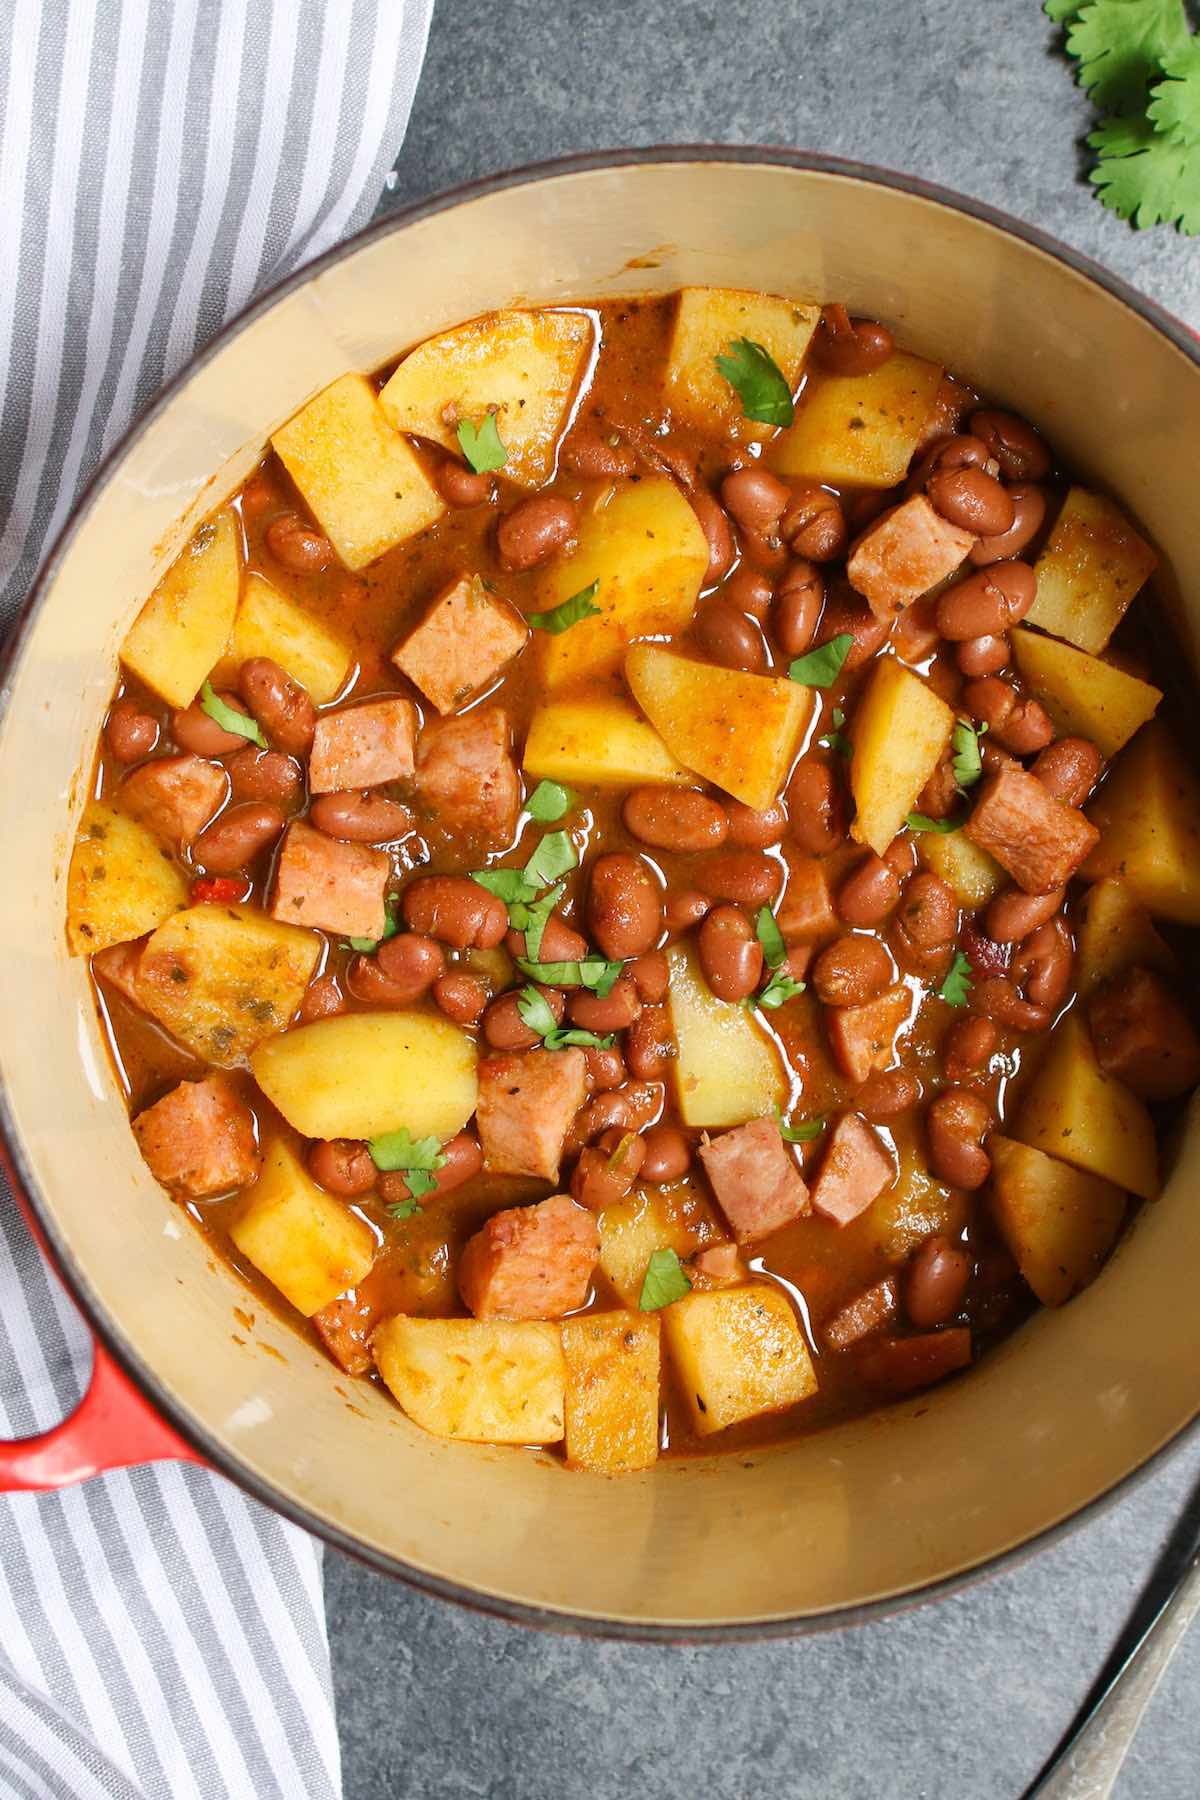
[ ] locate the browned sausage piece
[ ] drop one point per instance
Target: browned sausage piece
(868, 1312)
(199, 1139)
(1035, 837)
(863, 1038)
(525, 1107)
(1143, 1035)
(855, 1168)
(530, 1262)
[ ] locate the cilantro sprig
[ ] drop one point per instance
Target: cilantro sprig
(821, 667)
(665, 1281)
(966, 761)
(417, 1159)
(758, 381)
(519, 889)
(535, 1010)
(779, 987)
(240, 724)
(549, 801)
(593, 972)
(922, 822)
(561, 618)
(957, 984)
(804, 1132)
(836, 739)
(481, 444)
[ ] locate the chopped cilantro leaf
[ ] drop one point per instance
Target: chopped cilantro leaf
(821, 667)
(836, 739)
(481, 445)
(535, 1011)
(592, 972)
(548, 802)
(556, 855)
(415, 1158)
(967, 762)
(509, 885)
(535, 918)
(803, 1133)
(560, 618)
(956, 988)
(767, 931)
(404, 1209)
(665, 1281)
(921, 822)
(758, 381)
(780, 989)
(229, 718)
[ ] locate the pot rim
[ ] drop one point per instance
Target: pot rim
(106, 1327)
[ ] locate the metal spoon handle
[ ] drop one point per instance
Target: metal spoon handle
(1087, 1766)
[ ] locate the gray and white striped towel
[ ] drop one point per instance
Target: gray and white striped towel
(160, 162)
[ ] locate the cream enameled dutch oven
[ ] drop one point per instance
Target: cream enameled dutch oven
(885, 1507)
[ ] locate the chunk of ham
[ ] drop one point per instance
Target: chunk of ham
(466, 777)
(1039, 840)
(324, 882)
(174, 796)
(530, 1262)
(903, 553)
(863, 1037)
(345, 1327)
(755, 1180)
(1143, 1036)
(462, 643)
(117, 967)
(806, 913)
(717, 1266)
(363, 746)
(526, 1104)
(868, 1312)
(855, 1169)
(200, 1138)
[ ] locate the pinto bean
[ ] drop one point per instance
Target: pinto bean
(605, 1069)
(605, 1175)
(360, 818)
(649, 1046)
(535, 530)
(342, 1166)
(613, 1011)
(730, 954)
(624, 906)
(559, 943)
(887, 1093)
(901, 857)
(815, 526)
(755, 498)
(464, 1158)
(193, 730)
(869, 893)
(1042, 965)
(1016, 446)
(281, 706)
(753, 830)
(265, 775)
(683, 909)
(797, 607)
(1029, 512)
(237, 836)
(729, 637)
(460, 486)
(816, 804)
(984, 655)
(926, 925)
(939, 797)
(849, 346)
(668, 1155)
(1020, 725)
(402, 969)
(967, 1048)
(297, 546)
(971, 499)
(935, 1282)
(750, 591)
(997, 998)
(630, 1108)
(714, 523)
(676, 819)
(848, 615)
(987, 603)
(455, 910)
(1014, 915)
(651, 976)
(851, 970)
(460, 996)
(955, 1124)
(1069, 769)
(744, 876)
(597, 455)
(322, 999)
(129, 732)
(505, 1029)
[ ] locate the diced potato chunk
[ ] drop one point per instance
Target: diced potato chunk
(361, 479)
(309, 1245)
(522, 366)
(646, 1220)
(1059, 1222)
(1148, 814)
(597, 737)
(183, 627)
(975, 876)
(707, 322)
(1113, 932)
(645, 549)
(1073, 1111)
(739, 731)
(269, 624)
(1084, 696)
(485, 1381)
(1093, 564)
(122, 882)
(916, 1207)
(738, 1353)
(727, 1069)
(221, 979)
(612, 1362)
(359, 1075)
(859, 429)
(899, 730)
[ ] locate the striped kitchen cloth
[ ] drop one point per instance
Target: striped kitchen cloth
(161, 1635)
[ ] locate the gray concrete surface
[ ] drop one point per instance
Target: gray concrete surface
(964, 1699)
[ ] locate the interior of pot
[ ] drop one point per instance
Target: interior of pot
(868, 1510)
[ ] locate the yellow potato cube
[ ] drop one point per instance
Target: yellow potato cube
(739, 731)
(183, 627)
(1084, 696)
(221, 979)
(738, 1353)
(310, 1246)
(916, 1207)
(1113, 932)
(727, 1069)
(522, 366)
(975, 876)
(598, 737)
(360, 1075)
(361, 479)
(1093, 564)
(707, 322)
(269, 624)
(632, 1229)
(861, 430)
(899, 730)
(122, 882)
(484, 1381)
(1059, 1222)
(1148, 814)
(645, 550)
(612, 1363)
(1073, 1111)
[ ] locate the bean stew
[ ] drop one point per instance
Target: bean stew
(638, 876)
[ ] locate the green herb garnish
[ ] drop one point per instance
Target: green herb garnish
(836, 739)
(766, 930)
(780, 989)
(560, 618)
(967, 763)
(549, 801)
(228, 717)
(556, 855)
(665, 1281)
(534, 1009)
(758, 380)
(922, 822)
(956, 988)
(404, 1209)
(591, 972)
(820, 668)
(481, 445)
(804, 1132)
(414, 1158)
